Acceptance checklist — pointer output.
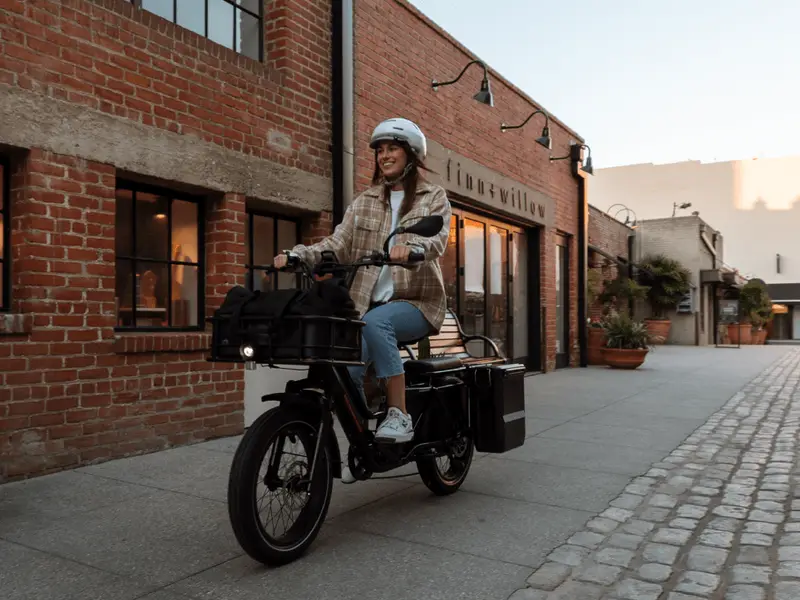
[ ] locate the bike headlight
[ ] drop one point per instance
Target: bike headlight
(247, 351)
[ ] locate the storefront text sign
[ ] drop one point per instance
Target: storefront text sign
(473, 181)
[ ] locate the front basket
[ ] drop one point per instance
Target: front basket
(289, 340)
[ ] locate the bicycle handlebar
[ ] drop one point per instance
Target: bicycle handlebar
(375, 259)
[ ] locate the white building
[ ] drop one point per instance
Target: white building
(756, 203)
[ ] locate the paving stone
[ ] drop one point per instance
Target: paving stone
(706, 559)
(587, 539)
(662, 501)
(600, 574)
(625, 540)
(660, 553)
(601, 525)
(787, 590)
(756, 539)
(745, 592)
(766, 517)
(789, 569)
(569, 555)
(617, 514)
(701, 500)
(676, 537)
(757, 527)
(695, 582)
(627, 501)
(704, 491)
(637, 527)
(655, 572)
(632, 589)
(768, 495)
(789, 539)
(692, 511)
(752, 555)
(617, 557)
(768, 505)
(737, 500)
(720, 539)
(576, 590)
(690, 524)
(789, 554)
(792, 527)
(725, 524)
(750, 574)
(655, 514)
(549, 576)
(731, 512)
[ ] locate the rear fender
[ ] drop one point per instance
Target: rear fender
(310, 405)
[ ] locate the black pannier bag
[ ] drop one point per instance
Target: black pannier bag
(288, 325)
(497, 407)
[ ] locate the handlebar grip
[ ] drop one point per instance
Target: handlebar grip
(416, 256)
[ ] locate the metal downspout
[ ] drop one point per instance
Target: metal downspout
(583, 254)
(342, 107)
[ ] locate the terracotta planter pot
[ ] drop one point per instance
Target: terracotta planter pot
(740, 333)
(660, 328)
(597, 340)
(761, 336)
(624, 359)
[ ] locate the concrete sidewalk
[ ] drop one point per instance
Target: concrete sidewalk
(156, 526)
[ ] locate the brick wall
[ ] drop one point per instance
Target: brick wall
(398, 53)
(94, 91)
(110, 57)
(611, 236)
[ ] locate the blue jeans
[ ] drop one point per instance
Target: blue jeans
(386, 325)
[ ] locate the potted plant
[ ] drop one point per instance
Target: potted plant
(627, 341)
(667, 282)
(596, 335)
(756, 306)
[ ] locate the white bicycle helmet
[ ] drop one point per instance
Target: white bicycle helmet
(401, 130)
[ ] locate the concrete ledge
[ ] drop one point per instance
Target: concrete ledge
(32, 120)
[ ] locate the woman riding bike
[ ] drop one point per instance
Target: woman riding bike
(398, 304)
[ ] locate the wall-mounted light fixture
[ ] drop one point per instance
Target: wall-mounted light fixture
(628, 214)
(543, 139)
(778, 263)
(683, 206)
(484, 96)
(575, 155)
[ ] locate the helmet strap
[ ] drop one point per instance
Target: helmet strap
(399, 178)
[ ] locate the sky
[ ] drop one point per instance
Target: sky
(645, 80)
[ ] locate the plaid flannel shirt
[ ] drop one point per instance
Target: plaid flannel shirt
(366, 224)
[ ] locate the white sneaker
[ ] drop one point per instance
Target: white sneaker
(396, 428)
(347, 475)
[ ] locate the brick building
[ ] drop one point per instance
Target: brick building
(611, 244)
(152, 160)
(138, 149)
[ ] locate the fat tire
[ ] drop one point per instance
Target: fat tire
(245, 470)
(432, 478)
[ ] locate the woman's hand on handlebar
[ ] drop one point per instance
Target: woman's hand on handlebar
(280, 261)
(404, 254)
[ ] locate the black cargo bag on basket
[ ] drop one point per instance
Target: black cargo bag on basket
(497, 407)
(281, 324)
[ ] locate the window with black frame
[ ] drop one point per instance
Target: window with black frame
(5, 232)
(159, 259)
(235, 24)
(265, 236)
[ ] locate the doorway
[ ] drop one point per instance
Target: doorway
(488, 269)
(562, 302)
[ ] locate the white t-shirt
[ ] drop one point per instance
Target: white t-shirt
(384, 287)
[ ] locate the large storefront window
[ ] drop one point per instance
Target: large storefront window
(486, 279)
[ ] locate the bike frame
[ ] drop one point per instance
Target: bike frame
(342, 396)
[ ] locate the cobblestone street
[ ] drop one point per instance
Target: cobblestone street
(718, 518)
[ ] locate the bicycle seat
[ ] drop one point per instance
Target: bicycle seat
(423, 366)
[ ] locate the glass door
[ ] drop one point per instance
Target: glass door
(485, 272)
